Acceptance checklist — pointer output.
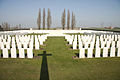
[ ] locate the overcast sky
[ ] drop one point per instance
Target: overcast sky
(89, 13)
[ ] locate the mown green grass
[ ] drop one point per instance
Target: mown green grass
(61, 65)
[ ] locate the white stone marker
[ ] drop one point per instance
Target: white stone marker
(112, 52)
(19, 45)
(97, 44)
(70, 41)
(82, 53)
(21, 53)
(2, 45)
(105, 52)
(41, 42)
(25, 45)
(118, 44)
(90, 53)
(108, 44)
(118, 52)
(97, 52)
(29, 53)
(5, 53)
(113, 43)
(37, 45)
(102, 44)
(80, 45)
(31, 44)
(13, 53)
(74, 45)
(7, 45)
(86, 45)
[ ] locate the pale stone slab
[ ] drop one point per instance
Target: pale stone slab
(37, 45)
(29, 53)
(90, 53)
(118, 44)
(82, 53)
(74, 45)
(86, 45)
(8, 45)
(80, 45)
(13, 53)
(105, 52)
(92, 45)
(19, 45)
(25, 45)
(31, 44)
(118, 52)
(41, 42)
(70, 41)
(2, 45)
(113, 43)
(21, 53)
(108, 44)
(97, 52)
(97, 44)
(112, 52)
(102, 44)
(5, 53)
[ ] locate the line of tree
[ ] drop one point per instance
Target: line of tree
(49, 21)
(5, 26)
(68, 20)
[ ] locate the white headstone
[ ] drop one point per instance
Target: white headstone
(112, 52)
(30, 53)
(25, 45)
(97, 52)
(90, 53)
(37, 45)
(31, 44)
(86, 45)
(19, 45)
(41, 42)
(13, 53)
(70, 41)
(2, 45)
(118, 52)
(82, 53)
(118, 44)
(21, 53)
(74, 45)
(7, 45)
(105, 52)
(113, 43)
(5, 53)
(102, 44)
(80, 45)
(97, 44)
(108, 44)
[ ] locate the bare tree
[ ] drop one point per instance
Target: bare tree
(5, 26)
(43, 18)
(68, 20)
(73, 21)
(63, 20)
(39, 19)
(49, 19)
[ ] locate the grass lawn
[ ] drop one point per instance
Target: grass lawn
(59, 65)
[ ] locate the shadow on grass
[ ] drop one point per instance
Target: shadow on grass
(77, 54)
(44, 74)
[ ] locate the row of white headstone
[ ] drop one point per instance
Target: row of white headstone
(13, 53)
(20, 42)
(97, 43)
(99, 52)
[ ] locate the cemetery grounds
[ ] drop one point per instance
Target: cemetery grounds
(59, 65)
